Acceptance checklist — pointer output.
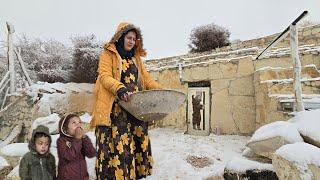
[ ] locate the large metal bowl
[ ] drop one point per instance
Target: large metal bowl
(153, 105)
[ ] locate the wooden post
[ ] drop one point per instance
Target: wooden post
(4, 99)
(4, 79)
(296, 67)
(4, 86)
(10, 57)
(24, 70)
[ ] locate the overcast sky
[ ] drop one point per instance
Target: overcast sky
(165, 24)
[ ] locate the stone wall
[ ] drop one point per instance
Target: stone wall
(273, 76)
(232, 93)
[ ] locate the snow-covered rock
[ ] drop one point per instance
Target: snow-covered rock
(3, 162)
(54, 139)
(14, 174)
(15, 149)
(51, 121)
(248, 153)
(268, 138)
(86, 118)
(92, 137)
(61, 98)
(5, 167)
(12, 136)
(298, 161)
(308, 124)
(242, 168)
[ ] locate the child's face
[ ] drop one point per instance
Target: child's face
(42, 145)
(74, 123)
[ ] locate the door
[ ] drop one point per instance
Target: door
(198, 110)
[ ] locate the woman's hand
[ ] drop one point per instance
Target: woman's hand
(124, 95)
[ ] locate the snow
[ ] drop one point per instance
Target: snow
(291, 96)
(265, 68)
(304, 49)
(241, 164)
(3, 162)
(279, 128)
(92, 137)
(60, 87)
(54, 139)
(15, 149)
(51, 121)
(307, 122)
(86, 118)
(290, 80)
(311, 100)
(270, 68)
(301, 154)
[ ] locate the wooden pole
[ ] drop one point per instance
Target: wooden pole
(10, 57)
(4, 79)
(5, 98)
(24, 70)
(296, 67)
(4, 86)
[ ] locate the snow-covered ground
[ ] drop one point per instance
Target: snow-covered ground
(171, 148)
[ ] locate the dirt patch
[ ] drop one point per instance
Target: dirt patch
(199, 162)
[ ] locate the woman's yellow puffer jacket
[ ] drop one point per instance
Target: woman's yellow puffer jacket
(109, 74)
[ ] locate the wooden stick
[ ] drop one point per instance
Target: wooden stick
(2, 111)
(5, 84)
(296, 67)
(10, 57)
(12, 136)
(5, 98)
(24, 70)
(4, 79)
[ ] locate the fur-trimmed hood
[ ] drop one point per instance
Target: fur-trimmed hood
(122, 28)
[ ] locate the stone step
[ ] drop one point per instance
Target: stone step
(285, 86)
(278, 73)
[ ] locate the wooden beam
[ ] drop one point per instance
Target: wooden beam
(4, 79)
(24, 70)
(296, 67)
(4, 86)
(5, 98)
(10, 57)
(2, 111)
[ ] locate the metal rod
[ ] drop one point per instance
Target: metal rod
(283, 34)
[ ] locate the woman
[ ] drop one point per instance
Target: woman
(123, 144)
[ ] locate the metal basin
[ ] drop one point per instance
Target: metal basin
(153, 105)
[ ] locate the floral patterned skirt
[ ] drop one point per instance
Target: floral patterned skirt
(124, 149)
